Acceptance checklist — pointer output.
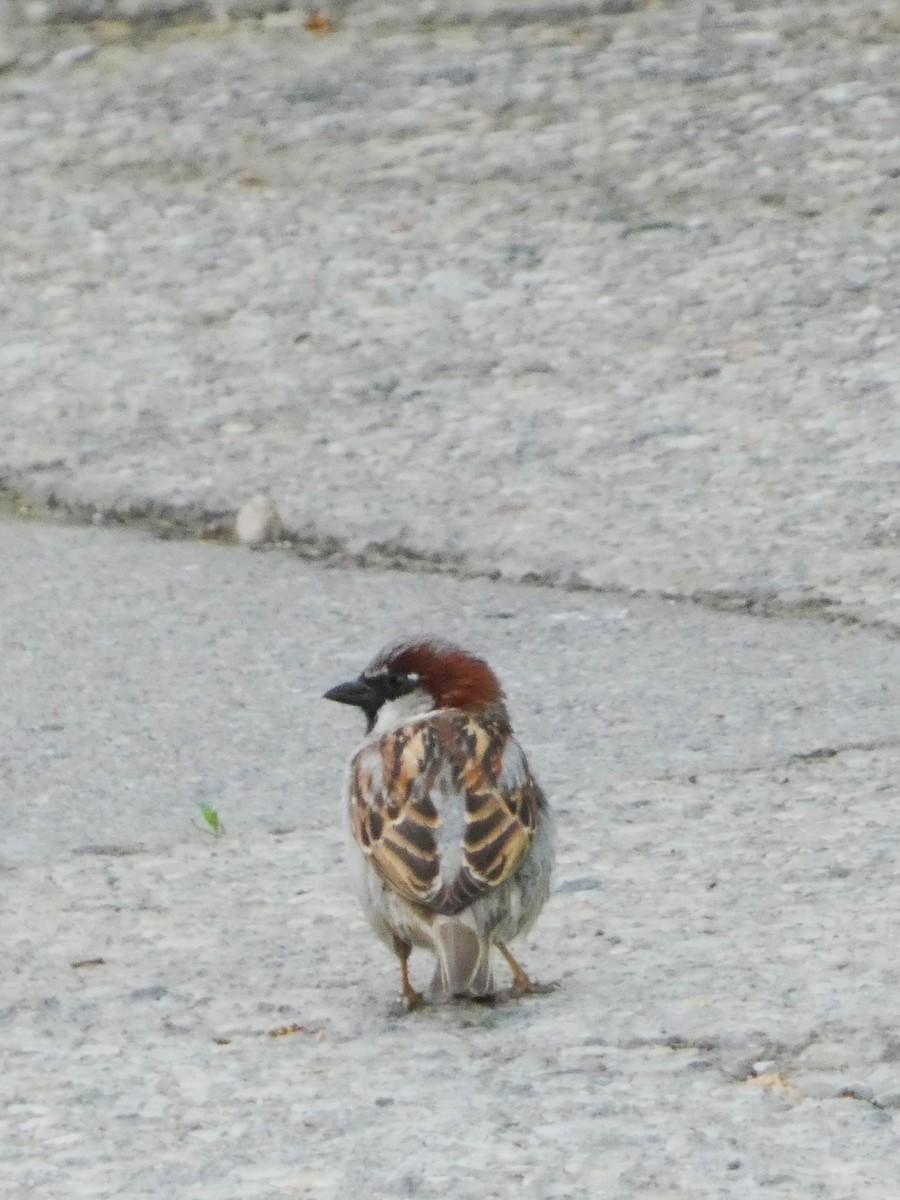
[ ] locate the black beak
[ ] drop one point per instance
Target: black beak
(357, 692)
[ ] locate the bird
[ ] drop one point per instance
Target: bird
(449, 836)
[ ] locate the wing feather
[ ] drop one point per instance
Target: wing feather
(393, 817)
(453, 771)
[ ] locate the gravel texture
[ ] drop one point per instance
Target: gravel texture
(200, 1017)
(523, 289)
(602, 295)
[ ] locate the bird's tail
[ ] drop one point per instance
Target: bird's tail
(464, 960)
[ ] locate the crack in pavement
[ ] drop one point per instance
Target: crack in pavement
(799, 758)
(170, 522)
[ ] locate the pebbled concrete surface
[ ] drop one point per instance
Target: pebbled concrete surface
(527, 291)
(598, 298)
(165, 675)
(722, 926)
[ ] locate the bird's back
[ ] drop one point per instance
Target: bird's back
(444, 807)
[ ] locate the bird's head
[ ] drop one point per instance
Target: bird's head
(412, 678)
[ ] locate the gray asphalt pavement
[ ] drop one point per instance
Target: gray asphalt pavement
(722, 924)
(145, 678)
(594, 296)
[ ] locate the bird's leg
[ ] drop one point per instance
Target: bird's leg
(411, 998)
(521, 983)
(410, 995)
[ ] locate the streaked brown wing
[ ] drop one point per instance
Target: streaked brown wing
(397, 800)
(393, 817)
(502, 803)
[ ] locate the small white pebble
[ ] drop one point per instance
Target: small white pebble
(258, 522)
(74, 54)
(763, 1066)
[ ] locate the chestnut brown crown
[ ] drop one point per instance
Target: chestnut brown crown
(451, 676)
(454, 677)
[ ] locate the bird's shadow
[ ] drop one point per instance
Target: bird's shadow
(503, 997)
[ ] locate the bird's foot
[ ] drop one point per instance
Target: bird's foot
(531, 988)
(409, 1003)
(412, 1000)
(522, 985)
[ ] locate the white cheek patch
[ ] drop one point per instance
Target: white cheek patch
(397, 712)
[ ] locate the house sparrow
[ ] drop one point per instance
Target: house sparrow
(450, 838)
